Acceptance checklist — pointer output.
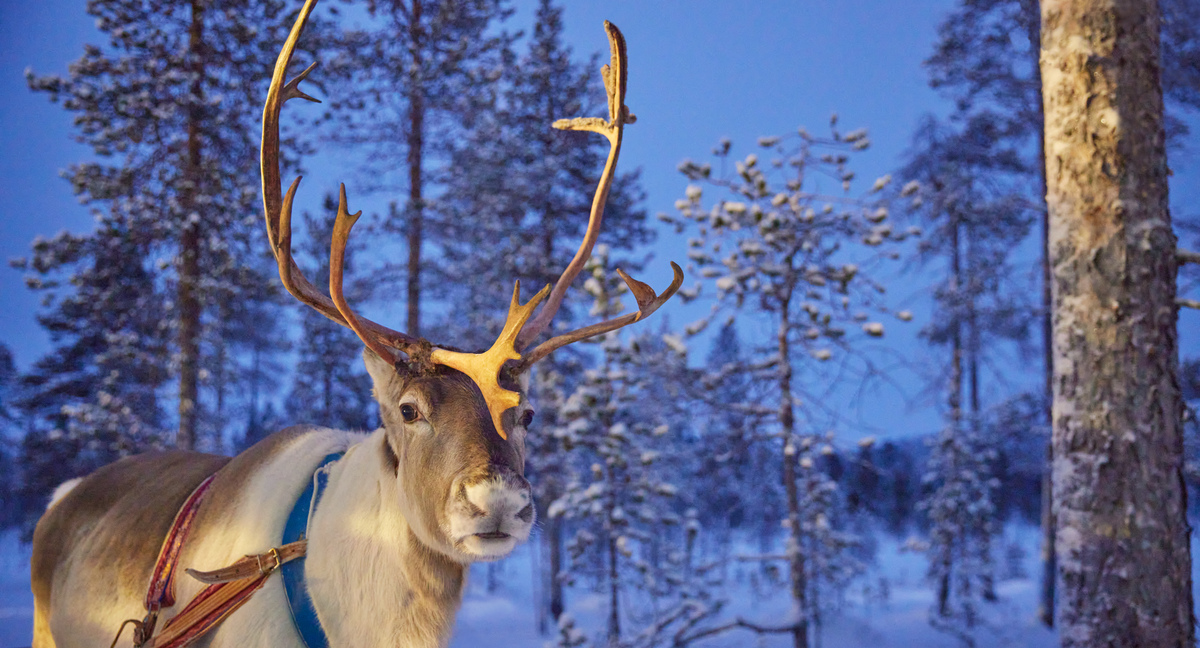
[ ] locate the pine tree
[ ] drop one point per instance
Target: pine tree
(617, 495)
(970, 202)
(963, 527)
(516, 208)
(9, 504)
(729, 452)
(403, 87)
(170, 107)
(1119, 501)
(96, 397)
(986, 63)
(329, 387)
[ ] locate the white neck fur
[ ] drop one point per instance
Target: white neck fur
(372, 582)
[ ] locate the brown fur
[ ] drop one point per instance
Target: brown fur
(114, 521)
(465, 435)
(144, 493)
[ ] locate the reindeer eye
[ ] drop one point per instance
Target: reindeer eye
(409, 412)
(527, 418)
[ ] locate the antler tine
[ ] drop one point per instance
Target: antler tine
(337, 259)
(484, 368)
(615, 75)
(278, 209)
(648, 302)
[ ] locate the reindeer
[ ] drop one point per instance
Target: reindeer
(405, 508)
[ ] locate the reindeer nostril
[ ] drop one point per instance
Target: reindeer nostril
(526, 514)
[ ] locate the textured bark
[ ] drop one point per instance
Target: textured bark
(1119, 501)
(189, 248)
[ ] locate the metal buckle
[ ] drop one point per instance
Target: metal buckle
(144, 630)
(274, 553)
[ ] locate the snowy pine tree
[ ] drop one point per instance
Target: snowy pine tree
(96, 396)
(516, 208)
(330, 387)
(626, 536)
(517, 205)
(962, 530)
(9, 439)
(170, 107)
(402, 88)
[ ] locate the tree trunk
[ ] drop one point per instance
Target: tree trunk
(974, 348)
(787, 423)
(614, 595)
(1119, 499)
(416, 201)
(189, 246)
(955, 399)
(1033, 23)
(554, 539)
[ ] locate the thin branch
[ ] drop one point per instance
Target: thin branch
(1188, 303)
(739, 623)
(1187, 256)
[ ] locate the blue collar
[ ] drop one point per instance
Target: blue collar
(300, 605)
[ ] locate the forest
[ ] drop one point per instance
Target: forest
(942, 395)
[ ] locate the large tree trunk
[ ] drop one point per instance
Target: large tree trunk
(1119, 499)
(189, 248)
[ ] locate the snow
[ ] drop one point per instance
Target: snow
(886, 607)
(16, 601)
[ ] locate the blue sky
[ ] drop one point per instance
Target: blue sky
(699, 70)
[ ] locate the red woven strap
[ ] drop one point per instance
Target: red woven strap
(231, 587)
(209, 608)
(162, 581)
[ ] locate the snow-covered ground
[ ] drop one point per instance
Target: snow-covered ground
(875, 615)
(16, 601)
(889, 606)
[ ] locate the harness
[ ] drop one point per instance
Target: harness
(231, 587)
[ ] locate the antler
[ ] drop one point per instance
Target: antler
(484, 367)
(648, 302)
(278, 212)
(615, 75)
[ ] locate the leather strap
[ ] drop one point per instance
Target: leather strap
(161, 593)
(230, 587)
(209, 608)
(253, 565)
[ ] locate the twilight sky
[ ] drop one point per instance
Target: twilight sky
(699, 70)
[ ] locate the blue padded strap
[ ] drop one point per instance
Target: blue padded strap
(300, 605)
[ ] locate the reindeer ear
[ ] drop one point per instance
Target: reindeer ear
(385, 375)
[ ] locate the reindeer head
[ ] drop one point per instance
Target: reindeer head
(454, 422)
